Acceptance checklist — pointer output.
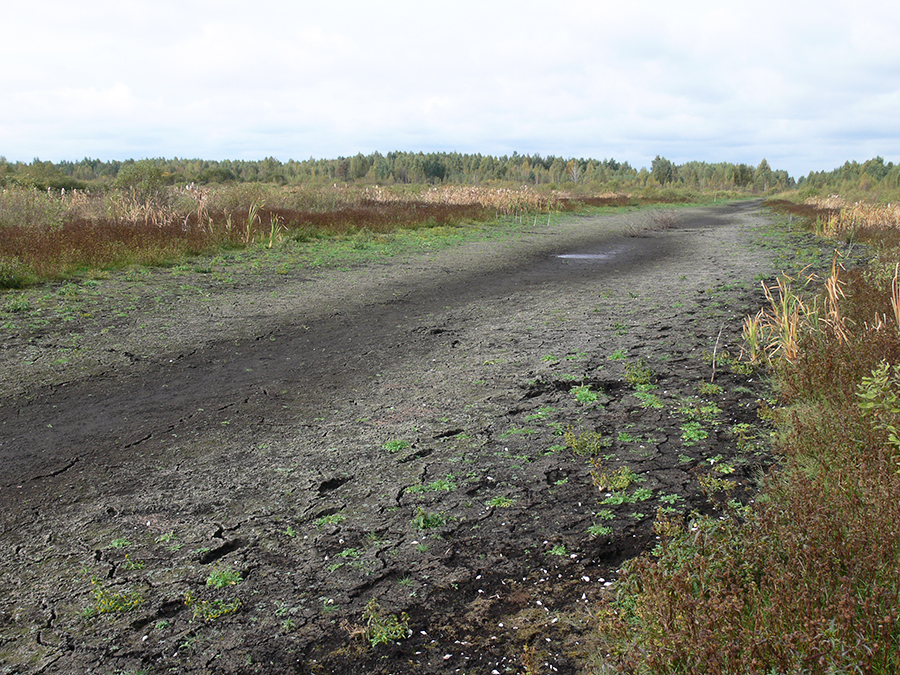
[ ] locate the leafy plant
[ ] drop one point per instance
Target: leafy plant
(599, 531)
(332, 519)
(638, 374)
(584, 394)
(441, 485)
(691, 432)
(425, 520)
(587, 443)
(383, 628)
(210, 610)
(501, 502)
(396, 445)
(221, 578)
(107, 600)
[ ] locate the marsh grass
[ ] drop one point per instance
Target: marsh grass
(806, 579)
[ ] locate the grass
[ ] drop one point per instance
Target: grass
(804, 579)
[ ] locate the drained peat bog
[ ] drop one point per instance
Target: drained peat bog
(433, 463)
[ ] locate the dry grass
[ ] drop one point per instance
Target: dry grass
(807, 579)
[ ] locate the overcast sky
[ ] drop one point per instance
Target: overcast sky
(806, 85)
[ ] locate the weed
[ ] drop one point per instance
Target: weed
(17, 303)
(396, 445)
(425, 520)
(599, 531)
(223, 577)
(621, 479)
(649, 400)
(501, 502)
(584, 395)
(106, 600)
(210, 610)
(558, 549)
(638, 374)
(606, 514)
(383, 628)
(691, 432)
(618, 355)
(130, 565)
(332, 519)
(709, 389)
(441, 485)
(119, 543)
(587, 443)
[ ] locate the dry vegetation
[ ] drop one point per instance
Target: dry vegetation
(806, 580)
(52, 234)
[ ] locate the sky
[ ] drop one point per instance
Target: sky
(805, 85)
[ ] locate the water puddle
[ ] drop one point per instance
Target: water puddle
(584, 256)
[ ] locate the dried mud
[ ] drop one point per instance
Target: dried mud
(391, 431)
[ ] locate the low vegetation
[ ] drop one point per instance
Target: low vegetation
(804, 580)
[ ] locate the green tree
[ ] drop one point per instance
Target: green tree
(662, 170)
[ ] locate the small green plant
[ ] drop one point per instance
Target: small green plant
(223, 577)
(396, 445)
(17, 303)
(618, 355)
(584, 395)
(606, 514)
(383, 628)
(587, 443)
(119, 543)
(441, 485)
(129, 564)
(709, 389)
(649, 400)
(691, 432)
(210, 610)
(637, 374)
(425, 520)
(621, 479)
(332, 519)
(106, 600)
(558, 549)
(501, 502)
(878, 394)
(599, 531)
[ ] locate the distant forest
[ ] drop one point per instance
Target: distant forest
(456, 168)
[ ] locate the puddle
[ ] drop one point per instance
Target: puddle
(585, 256)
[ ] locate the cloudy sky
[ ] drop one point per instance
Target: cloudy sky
(804, 84)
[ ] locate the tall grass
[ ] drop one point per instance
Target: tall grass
(51, 234)
(807, 578)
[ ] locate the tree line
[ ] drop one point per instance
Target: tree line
(450, 167)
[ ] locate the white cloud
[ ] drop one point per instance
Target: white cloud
(806, 85)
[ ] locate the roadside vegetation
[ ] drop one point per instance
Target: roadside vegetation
(805, 579)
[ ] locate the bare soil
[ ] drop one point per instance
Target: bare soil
(392, 430)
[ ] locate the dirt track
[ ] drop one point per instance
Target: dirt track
(389, 431)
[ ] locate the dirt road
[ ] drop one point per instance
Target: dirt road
(241, 464)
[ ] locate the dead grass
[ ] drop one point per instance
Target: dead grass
(48, 235)
(806, 580)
